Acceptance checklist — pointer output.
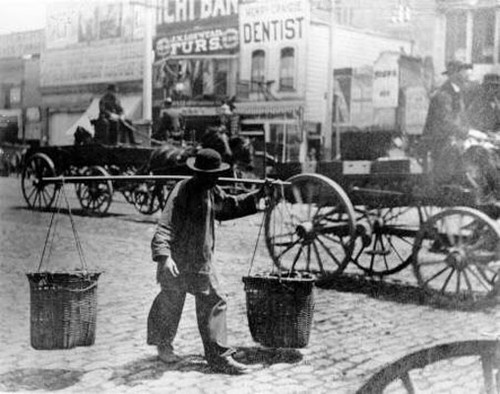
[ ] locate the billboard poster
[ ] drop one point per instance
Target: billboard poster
(84, 22)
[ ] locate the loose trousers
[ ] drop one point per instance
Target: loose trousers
(211, 306)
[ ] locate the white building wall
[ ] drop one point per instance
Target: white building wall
(317, 73)
(357, 48)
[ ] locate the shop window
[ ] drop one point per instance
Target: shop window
(456, 36)
(258, 69)
(287, 69)
(483, 36)
(221, 73)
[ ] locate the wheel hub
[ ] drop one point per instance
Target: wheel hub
(305, 231)
(457, 258)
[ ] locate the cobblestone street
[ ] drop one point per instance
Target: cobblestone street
(354, 333)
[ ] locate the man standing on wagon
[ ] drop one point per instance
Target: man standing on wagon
(446, 126)
(183, 247)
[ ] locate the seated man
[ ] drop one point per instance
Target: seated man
(171, 123)
(111, 116)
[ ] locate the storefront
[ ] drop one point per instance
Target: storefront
(470, 32)
(88, 46)
(196, 60)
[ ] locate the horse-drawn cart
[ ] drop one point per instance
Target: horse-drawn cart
(382, 216)
(83, 160)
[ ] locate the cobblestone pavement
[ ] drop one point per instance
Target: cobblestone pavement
(354, 332)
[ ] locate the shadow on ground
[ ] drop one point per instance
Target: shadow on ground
(151, 368)
(31, 379)
(74, 211)
(401, 292)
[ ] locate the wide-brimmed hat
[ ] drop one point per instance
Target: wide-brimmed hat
(111, 87)
(454, 66)
(168, 100)
(207, 161)
(491, 79)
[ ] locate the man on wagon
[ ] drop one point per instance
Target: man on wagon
(183, 246)
(446, 126)
(484, 110)
(171, 122)
(111, 115)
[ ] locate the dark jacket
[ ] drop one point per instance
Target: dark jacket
(186, 228)
(109, 103)
(446, 120)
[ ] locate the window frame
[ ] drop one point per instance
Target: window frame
(293, 74)
(254, 82)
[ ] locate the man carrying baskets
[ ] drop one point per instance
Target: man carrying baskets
(183, 246)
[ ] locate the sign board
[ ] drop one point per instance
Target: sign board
(277, 21)
(182, 11)
(120, 62)
(386, 80)
(416, 105)
(204, 42)
(22, 43)
(84, 22)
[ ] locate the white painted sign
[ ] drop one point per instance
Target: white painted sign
(275, 21)
(386, 80)
(174, 11)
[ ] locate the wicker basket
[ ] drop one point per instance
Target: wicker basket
(280, 310)
(63, 309)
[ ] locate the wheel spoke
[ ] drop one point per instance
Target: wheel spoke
(329, 252)
(445, 284)
(436, 275)
(292, 244)
(320, 262)
(479, 279)
(292, 268)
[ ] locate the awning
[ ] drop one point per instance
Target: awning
(270, 108)
(131, 108)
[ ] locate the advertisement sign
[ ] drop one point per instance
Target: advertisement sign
(182, 11)
(119, 62)
(19, 44)
(212, 41)
(277, 21)
(81, 22)
(386, 80)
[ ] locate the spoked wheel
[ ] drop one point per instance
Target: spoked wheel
(38, 195)
(148, 197)
(473, 365)
(457, 254)
(311, 228)
(95, 197)
(387, 237)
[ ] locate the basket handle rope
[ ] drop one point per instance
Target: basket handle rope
(51, 231)
(269, 203)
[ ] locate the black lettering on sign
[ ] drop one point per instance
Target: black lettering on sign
(273, 30)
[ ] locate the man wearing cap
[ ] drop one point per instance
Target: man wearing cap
(170, 122)
(484, 110)
(183, 247)
(446, 125)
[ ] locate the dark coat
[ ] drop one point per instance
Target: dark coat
(445, 128)
(108, 104)
(484, 112)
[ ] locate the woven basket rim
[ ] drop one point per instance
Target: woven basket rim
(249, 278)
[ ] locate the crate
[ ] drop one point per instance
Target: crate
(63, 309)
(280, 310)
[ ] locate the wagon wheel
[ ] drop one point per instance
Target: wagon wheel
(95, 197)
(473, 367)
(311, 228)
(386, 238)
(38, 194)
(150, 197)
(457, 253)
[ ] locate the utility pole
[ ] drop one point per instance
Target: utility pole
(147, 79)
(328, 131)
